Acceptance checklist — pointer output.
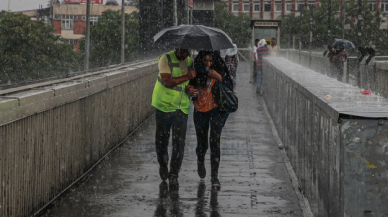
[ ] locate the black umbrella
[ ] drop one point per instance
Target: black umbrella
(339, 43)
(195, 37)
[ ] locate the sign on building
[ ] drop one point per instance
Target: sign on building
(84, 1)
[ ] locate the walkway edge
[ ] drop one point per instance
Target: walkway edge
(42, 209)
(303, 202)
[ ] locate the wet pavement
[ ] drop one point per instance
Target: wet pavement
(253, 175)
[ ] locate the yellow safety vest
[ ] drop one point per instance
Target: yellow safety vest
(169, 99)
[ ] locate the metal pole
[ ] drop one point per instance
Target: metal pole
(329, 22)
(359, 23)
(191, 16)
(51, 13)
(289, 40)
(175, 14)
(188, 12)
(343, 19)
(87, 35)
(311, 35)
(300, 37)
(9, 5)
(123, 32)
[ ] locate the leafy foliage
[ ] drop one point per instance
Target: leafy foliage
(105, 39)
(29, 50)
(237, 27)
(372, 35)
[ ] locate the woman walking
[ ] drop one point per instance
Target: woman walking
(231, 60)
(211, 71)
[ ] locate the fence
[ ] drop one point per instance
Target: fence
(51, 133)
(369, 74)
(335, 138)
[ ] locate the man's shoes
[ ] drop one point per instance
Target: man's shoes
(201, 169)
(173, 180)
(163, 172)
(215, 182)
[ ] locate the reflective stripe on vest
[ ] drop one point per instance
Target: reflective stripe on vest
(171, 65)
(170, 99)
(173, 88)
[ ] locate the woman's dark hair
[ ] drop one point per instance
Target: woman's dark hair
(201, 55)
(218, 65)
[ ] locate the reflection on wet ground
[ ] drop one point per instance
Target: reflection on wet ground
(169, 205)
(253, 176)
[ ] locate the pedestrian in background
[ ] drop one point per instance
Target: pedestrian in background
(231, 60)
(273, 48)
(254, 73)
(337, 59)
(261, 52)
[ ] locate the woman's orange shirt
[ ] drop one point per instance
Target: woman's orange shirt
(205, 100)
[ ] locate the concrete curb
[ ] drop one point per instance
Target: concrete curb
(303, 202)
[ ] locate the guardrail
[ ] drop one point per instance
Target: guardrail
(371, 75)
(335, 137)
(52, 132)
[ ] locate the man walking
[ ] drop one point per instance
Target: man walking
(254, 72)
(262, 51)
(172, 102)
(273, 48)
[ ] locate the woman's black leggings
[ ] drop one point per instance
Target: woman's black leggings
(202, 121)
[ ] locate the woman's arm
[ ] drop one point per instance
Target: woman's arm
(214, 74)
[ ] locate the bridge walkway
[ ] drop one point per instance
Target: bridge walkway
(253, 174)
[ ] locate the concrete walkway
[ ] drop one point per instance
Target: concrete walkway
(253, 175)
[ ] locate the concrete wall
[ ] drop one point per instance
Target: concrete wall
(372, 75)
(340, 160)
(51, 133)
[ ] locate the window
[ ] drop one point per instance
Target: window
(384, 6)
(256, 7)
(278, 6)
(300, 7)
(83, 18)
(288, 6)
(93, 20)
(57, 16)
(372, 6)
(72, 41)
(246, 7)
(267, 6)
(67, 21)
(235, 7)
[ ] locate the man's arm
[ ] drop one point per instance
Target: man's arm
(169, 81)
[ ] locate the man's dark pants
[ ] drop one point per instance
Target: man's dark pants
(164, 122)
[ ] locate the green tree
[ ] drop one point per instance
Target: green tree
(237, 27)
(319, 27)
(371, 34)
(105, 39)
(29, 50)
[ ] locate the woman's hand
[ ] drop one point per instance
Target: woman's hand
(214, 74)
(191, 91)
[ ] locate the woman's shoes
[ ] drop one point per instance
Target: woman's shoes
(201, 169)
(215, 182)
(163, 172)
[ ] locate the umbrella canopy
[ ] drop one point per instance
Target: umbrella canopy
(343, 43)
(195, 37)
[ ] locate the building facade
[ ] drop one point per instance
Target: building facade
(69, 20)
(272, 9)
